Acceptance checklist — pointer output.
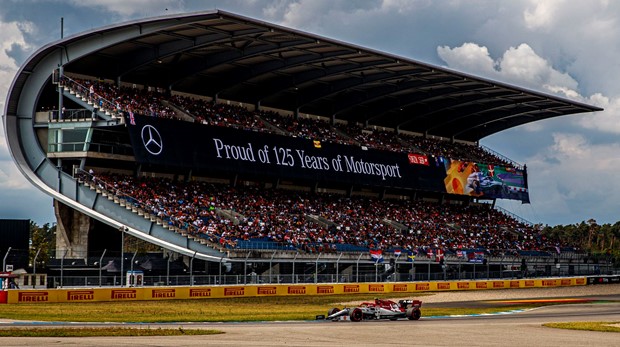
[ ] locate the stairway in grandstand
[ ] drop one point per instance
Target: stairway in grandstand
(99, 107)
(137, 217)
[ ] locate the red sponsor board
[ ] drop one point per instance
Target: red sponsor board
(399, 288)
(325, 290)
(80, 295)
(163, 293)
(374, 288)
(549, 283)
(530, 283)
(443, 286)
(481, 285)
(498, 284)
(351, 288)
(580, 281)
(266, 291)
(566, 282)
(422, 286)
(462, 285)
(234, 291)
(200, 292)
(514, 284)
(39, 296)
(124, 294)
(417, 159)
(297, 290)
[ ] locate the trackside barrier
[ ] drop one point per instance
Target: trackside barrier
(206, 292)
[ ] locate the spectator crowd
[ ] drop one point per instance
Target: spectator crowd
(319, 222)
(158, 103)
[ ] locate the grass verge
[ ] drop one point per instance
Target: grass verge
(590, 326)
(113, 331)
(212, 310)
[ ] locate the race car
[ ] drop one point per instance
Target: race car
(378, 309)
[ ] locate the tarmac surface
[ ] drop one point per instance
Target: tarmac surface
(602, 303)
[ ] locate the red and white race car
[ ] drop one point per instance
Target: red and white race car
(379, 309)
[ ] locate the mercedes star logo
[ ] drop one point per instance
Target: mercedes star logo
(152, 140)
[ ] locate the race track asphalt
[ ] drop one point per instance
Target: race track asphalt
(523, 328)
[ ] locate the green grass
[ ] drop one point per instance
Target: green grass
(90, 332)
(212, 310)
(590, 326)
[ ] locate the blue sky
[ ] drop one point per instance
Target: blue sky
(568, 48)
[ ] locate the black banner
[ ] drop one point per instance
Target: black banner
(604, 279)
(177, 144)
(182, 144)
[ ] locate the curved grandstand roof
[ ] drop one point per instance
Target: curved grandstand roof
(238, 58)
(224, 55)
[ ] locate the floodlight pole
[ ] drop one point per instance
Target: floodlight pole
(4, 260)
(357, 268)
(122, 230)
(34, 268)
(293, 280)
(245, 269)
(62, 266)
(316, 269)
(133, 276)
(101, 265)
(338, 267)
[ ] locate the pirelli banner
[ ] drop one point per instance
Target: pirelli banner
(204, 148)
(213, 292)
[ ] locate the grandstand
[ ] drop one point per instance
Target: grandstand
(230, 140)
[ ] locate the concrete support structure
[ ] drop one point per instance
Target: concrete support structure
(72, 231)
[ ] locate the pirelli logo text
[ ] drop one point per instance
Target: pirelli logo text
(400, 288)
(498, 284)
(297, 290)
(325, 290)
(33, 297)
(81, 295)
(266, 291)
(580, 281)
(124, 294)
(200, 292)
(462, 285)
(234, 291)
(481, 285)
(549, 283)
(163, 293)
(530, 283)
(514, 284)
(566, 282)
(351, 289)
(422, 286)
(374, 288)
(443, 286)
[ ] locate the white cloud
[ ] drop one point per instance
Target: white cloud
(541, 14)
(11, 37)
(126, 9)
(470, 57)
(575, 178)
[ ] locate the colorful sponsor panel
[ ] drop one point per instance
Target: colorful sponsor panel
(482, 180)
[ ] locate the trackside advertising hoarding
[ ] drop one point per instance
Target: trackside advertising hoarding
(18, 296)
(172, 143)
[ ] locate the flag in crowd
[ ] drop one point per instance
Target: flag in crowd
(410, 256)
(376, 255)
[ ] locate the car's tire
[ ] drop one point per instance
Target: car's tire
(356, 315)
(332, 311)
(413, 313)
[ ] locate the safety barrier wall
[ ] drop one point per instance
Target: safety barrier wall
(205, 292)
